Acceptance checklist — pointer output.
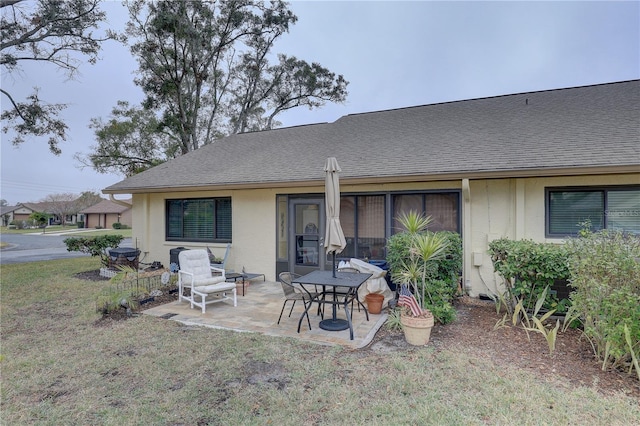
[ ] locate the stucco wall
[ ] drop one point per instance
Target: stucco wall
(253, 231)
(515, 209)
(497, 208)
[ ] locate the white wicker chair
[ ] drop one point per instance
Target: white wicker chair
(197, 275)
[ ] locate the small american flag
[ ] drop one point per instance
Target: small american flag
(407, 298)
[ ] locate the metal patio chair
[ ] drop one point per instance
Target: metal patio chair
(294, 293)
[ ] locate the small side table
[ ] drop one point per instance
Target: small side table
(245, 276)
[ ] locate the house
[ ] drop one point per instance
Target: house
(522, 166)
(105, 213)
(7, 214)
(22, 211)
(18, 213)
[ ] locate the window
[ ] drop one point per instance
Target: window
(365, 218)
(282, 226)
(606, 208)
(362, 219)
(199, 219)
(443, 207)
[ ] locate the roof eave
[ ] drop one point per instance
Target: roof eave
(420, 177)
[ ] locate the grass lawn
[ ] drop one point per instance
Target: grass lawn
(61, 366)
(68, 230)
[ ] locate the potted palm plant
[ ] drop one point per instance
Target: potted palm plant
(424, 248)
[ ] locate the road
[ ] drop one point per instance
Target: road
(34, 247)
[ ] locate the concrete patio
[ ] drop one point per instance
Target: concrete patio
(258, 311)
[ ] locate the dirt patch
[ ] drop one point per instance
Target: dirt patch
(121, 314)
(91, 276)
(473, 333)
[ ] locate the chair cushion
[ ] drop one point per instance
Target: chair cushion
(208, 281)
(214, 288)
(197, 263)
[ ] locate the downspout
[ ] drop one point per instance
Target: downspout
(520, 215)
(122, 203)
(466, 235)
(146, 213)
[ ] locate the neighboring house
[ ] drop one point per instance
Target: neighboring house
(25, 209)
(22, 211)
(18, 213)
(7, 214)
(523, 166)
(106, 213)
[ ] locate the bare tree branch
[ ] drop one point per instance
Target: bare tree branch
(58, 32)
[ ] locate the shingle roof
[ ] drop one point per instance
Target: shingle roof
(42, 206)
(534, 133)
(7, 209)
(105, 207)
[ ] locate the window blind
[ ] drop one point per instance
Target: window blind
(199, 219)
(568, 209)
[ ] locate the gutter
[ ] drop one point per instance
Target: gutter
(121, 203)
(345, 180)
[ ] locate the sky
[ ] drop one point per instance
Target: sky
(394, 54)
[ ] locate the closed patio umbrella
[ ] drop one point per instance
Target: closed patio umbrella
(334, 237)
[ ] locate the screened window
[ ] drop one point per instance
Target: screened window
(362, 219)
(605, 208)
(199, 219)
(443, 207)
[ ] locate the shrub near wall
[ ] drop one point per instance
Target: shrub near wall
(443, 276)
(528, 268)
(447, 269)
(605, 273)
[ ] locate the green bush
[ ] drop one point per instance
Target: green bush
(528, 268)
(605, 273)
(95, 246)
(116, 225)
(442, 274)
(447, 269)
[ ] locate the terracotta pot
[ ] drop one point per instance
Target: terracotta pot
(417, 330)
(241, 287)
(374, 302)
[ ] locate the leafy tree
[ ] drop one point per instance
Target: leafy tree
(39, 218)
(4, 202)
(53, 32)
(205, 70)
(129, 142)
(87, 199)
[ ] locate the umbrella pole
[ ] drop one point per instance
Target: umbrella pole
(334, 264)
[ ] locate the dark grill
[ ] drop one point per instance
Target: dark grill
(127, 256)
(173, 258)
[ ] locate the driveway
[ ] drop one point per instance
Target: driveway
(35, 247)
